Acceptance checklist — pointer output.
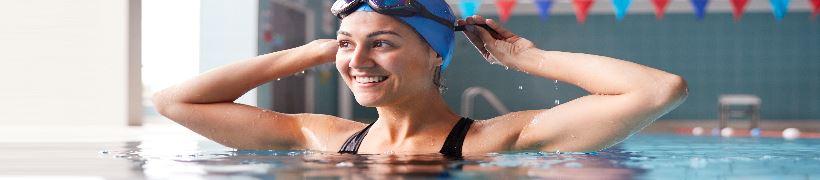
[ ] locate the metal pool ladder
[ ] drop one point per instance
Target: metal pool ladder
(468, 100)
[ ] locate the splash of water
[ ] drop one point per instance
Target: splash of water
(557, 101)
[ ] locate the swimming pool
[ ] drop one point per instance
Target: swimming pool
(655, 156)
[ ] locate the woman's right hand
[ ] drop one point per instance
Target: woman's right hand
(326, 49)
(504, 50)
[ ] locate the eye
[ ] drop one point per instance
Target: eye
(344, 44)
(381, 44)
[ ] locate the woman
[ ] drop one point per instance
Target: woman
(393, 62)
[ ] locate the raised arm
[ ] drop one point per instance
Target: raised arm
(624, 96)
(205, 104)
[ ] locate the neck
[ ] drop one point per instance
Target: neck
(415, 115)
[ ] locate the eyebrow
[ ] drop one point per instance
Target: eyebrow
(373, 34)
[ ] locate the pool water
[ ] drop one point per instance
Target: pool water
(641, 157)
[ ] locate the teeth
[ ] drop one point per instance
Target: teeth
(369, 79)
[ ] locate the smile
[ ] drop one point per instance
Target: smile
(369, 79)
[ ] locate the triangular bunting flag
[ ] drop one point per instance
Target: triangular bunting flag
(815, 8)
(779, 8)
(737, 8)
(544, 8)
(660, 8)
(620, 8)
(504, 8)
(581, 9)
(469, 7)
(700, 8)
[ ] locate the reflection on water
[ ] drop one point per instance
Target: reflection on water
(265, 164)
(651, 157)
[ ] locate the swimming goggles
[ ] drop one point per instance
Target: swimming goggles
(405, 8)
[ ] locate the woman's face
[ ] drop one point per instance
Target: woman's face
(382, 60)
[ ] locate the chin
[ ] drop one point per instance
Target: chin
(367, 102)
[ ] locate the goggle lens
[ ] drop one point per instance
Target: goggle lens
(391, 4)
(341, 6)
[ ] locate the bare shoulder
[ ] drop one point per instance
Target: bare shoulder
(497, 134)
(326, 132)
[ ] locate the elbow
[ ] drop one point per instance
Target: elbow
(672, 91)
(161, 102)
(679, 88)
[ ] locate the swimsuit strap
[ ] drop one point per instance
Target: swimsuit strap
(452, 146)
(351, 146)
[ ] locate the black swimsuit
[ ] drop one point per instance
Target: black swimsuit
(451, 147)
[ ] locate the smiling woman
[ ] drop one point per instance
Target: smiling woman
(391, 55)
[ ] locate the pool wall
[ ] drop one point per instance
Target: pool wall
(777, 61)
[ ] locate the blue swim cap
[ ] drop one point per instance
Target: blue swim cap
(441, 38)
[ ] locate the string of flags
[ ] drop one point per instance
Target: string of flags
(581, 7)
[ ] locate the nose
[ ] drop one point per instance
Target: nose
(361, 59)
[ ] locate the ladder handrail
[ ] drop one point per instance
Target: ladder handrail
(467, 101)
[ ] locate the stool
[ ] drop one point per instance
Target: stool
(726, 101)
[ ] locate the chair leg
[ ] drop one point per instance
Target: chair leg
(723, 111)
(755, 116)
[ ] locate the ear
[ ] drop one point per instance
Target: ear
(438, 59)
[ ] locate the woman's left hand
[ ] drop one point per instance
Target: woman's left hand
(503, 50)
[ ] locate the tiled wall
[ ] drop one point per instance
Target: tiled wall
(777, 61)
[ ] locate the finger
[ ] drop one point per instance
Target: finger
(501, 30)
(485, 36)
(470, 20)
(460, 22)
(479, 19)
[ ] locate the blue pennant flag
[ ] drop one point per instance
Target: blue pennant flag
(700, 8)
(544, 8)
(779, 8)
(620, 8)
(469, 7)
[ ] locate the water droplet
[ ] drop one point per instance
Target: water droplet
(555, 82)
(299, 73)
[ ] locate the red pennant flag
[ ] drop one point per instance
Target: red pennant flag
(582, 9)
(815, 8)
(504, 8)
(737, 8)
(660, 8)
